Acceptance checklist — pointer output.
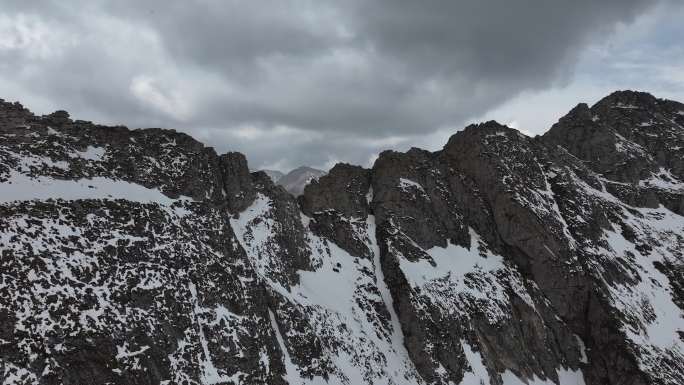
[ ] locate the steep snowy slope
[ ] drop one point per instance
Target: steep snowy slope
(143, 257)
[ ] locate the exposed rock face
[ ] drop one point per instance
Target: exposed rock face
(481, 306)
(634, 140)
(338, 204)
(237, 187)
(143, 257)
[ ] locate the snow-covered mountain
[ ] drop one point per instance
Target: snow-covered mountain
(295, 180)
(143, 257)
(275, 175)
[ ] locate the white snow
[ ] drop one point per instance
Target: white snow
(20, 187)
(652, 319)
(292, 375)
(408, 184)
(626, 106)
(123, 352)
(565, 377)
(498, 133)
(583, 350)
(92, 153)
(14, 375)
(397, 335)
(463, 277)
(651, 297)
(253, 230)
(328, 288)
(663, 179)
(369, 195)
(478, 374)
(336, 292)
(333, 295)
(454, 261)
(26, 162)
(210, 374)
(627, 146)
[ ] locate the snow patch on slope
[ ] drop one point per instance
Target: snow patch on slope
(456, 277)
(92, 153)
(408, 184)
(565, 377)
(364, 351)
(478, 372)
(292, 375)
(20, 187)
(652, 321)
(649, 301)
(453, 260)
(662, 179)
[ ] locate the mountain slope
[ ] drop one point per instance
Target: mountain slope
(143, 257)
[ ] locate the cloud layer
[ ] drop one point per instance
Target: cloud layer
(294, 82)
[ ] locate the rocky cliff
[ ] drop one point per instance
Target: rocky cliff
(143, 257)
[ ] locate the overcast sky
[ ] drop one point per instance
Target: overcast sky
(293, 82)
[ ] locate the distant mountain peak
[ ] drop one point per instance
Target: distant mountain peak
(275, 175)
(295, 180)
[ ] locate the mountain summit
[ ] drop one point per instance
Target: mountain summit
(144, 257)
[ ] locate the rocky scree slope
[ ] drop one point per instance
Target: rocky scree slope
(143, 257)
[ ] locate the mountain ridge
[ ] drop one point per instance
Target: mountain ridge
(500, 259)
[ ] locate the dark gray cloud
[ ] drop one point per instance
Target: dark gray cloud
(295, 81)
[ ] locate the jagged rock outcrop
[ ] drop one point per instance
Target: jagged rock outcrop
(338, 204)
(143, 257)
(237, 187)
(634, 140)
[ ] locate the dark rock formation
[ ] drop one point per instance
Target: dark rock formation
(338, 204)
(143, 257)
